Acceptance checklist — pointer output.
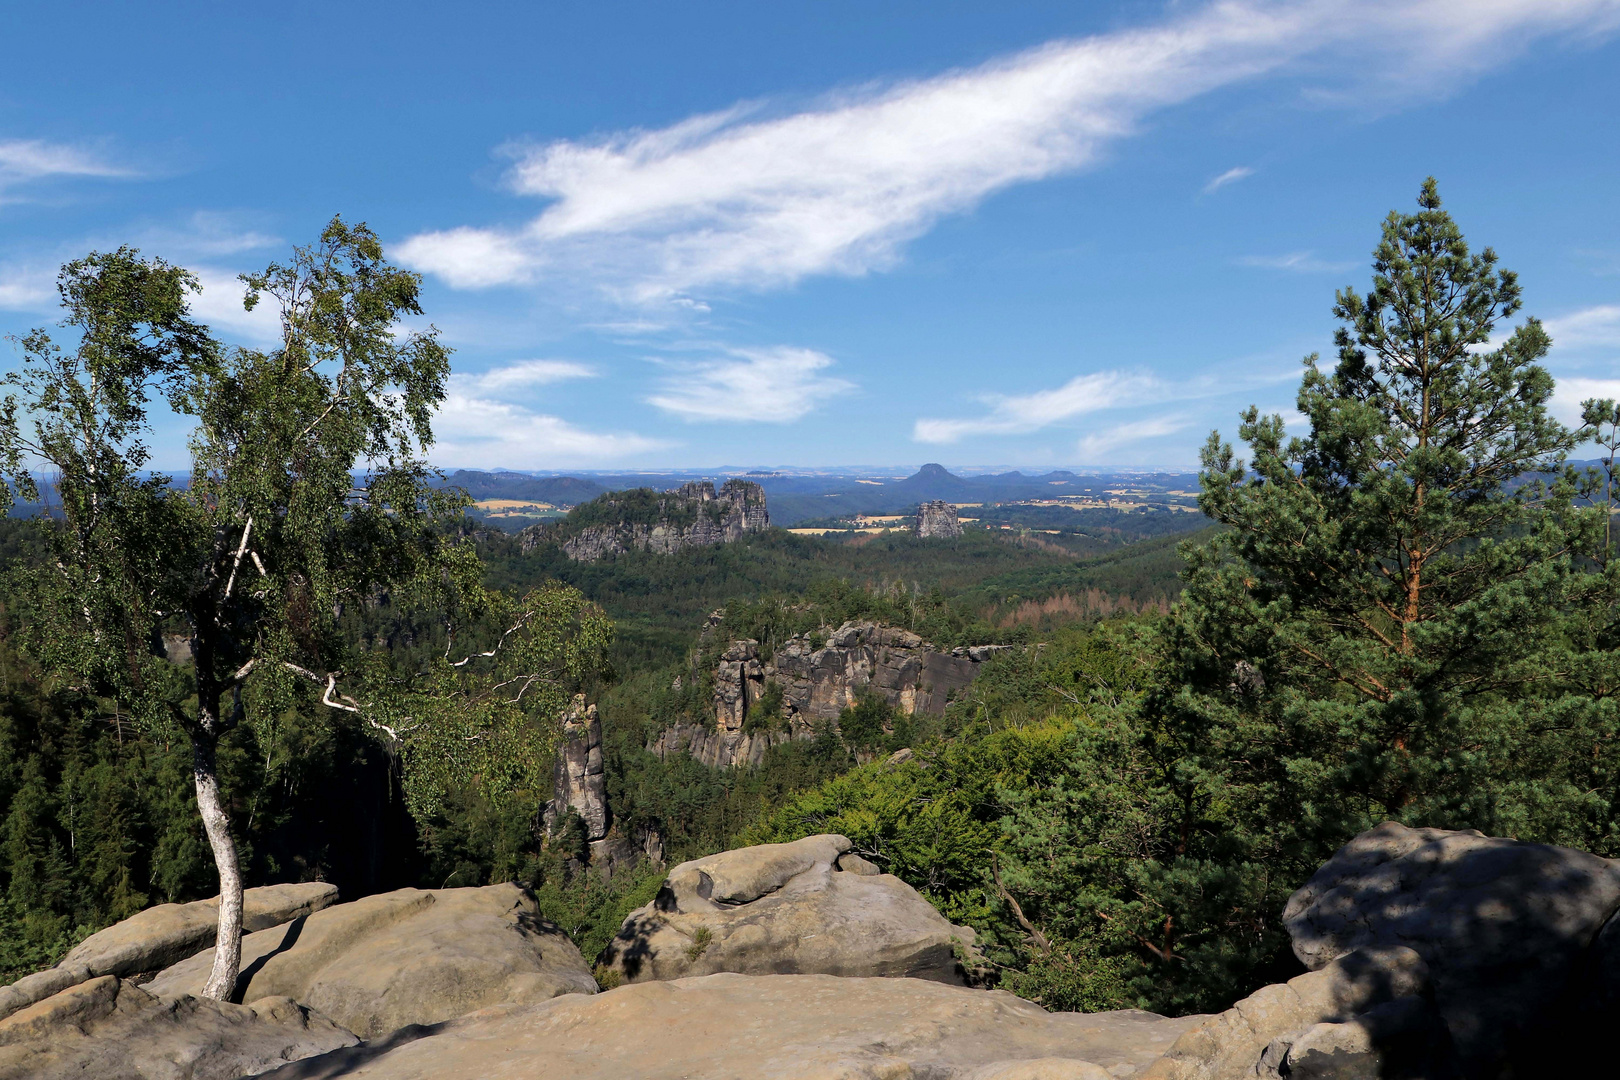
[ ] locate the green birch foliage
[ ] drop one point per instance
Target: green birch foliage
(274, 554)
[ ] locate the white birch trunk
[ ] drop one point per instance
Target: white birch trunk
(228, 944)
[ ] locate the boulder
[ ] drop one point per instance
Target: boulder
(408, 957)
(786, 909)
(1505, 928)
(1257, 1035)
(782, 1026)
(111, 1029)
(163, 935)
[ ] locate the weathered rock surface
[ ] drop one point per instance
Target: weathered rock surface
(693, 515)
(111, 1029)
(937, 519)
(817, 684)
(1287, 1025)
(408, 957)
(1505, 928)
(780, 909)
(787, 1027)
(163, 935)
(579, 781)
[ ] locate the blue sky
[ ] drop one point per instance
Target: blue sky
(697, 235)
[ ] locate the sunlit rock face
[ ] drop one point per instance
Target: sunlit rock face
(937, 519)
(693, 515)
(818, 681)
(579, 778)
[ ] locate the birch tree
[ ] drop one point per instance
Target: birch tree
(259, 556)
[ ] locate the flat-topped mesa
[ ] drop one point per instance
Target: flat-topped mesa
(641, 519)
(937, 519)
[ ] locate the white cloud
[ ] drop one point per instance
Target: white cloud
(776, 385)
(741, 199)
(1098, 443)
(1230, 176)
(209, 233)
(524, 373)
(469, 258)
(1026, 413)
(1593, 327)
(1570, 392)
(1300, 262)
(219, 305)
(478, 432)
(27, 288)
(22, 160)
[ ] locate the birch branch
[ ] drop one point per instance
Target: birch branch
(240, 548)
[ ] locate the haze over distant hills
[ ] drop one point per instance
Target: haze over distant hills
(799, 496)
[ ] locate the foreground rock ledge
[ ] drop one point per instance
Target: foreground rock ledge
(779, 1026)
(111, 1029)
(160, 936)
(804, 908)
(413, 956)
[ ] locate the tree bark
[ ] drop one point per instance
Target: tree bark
(228, 943)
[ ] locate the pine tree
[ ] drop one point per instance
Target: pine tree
(1397, 618)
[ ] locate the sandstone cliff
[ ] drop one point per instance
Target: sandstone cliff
(818, 683)
(579, 780)
(692, 515)
(937, 519)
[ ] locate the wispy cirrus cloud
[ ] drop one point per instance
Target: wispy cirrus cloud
(1230, 176)
(32, 161)
(740, 199)
(1298, 262)
(473, 431)
(774, 385)
(27, 288)
(207, 233)
(1098, 443)
(1593, 327)
(524, 374)
(1026, 413)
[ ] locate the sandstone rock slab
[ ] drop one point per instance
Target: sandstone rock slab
(408, 957)
(780, 909)
(785, 1027)
(1504, 926)
(163, 935)
(111, 1029)
(1257, 1033)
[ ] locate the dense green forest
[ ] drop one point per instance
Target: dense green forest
(1411, 612)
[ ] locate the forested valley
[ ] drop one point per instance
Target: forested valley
(1406, 610)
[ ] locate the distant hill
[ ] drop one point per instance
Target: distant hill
(934, 481)
(563, 491)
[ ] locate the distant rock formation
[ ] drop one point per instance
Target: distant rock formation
(817, 684)
(693, 515)
(937, 518)
(579, 782)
